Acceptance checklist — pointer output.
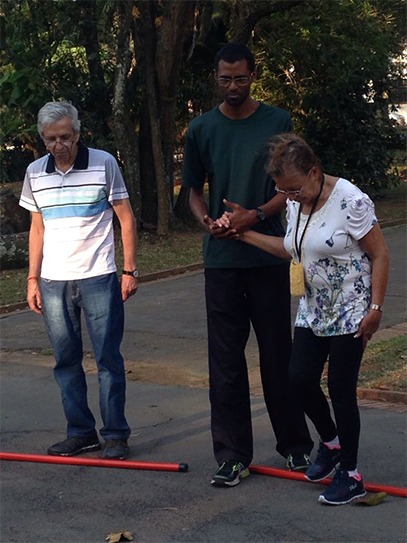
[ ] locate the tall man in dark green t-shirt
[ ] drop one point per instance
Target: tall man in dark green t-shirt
(227, 147)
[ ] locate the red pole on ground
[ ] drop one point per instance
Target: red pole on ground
(95, 462)
(285, 474)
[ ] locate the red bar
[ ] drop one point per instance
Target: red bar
(285, 474)
(95, 462)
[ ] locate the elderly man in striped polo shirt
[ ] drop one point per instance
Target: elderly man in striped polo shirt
(72, 193)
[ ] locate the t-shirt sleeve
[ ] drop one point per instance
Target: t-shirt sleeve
(361, 216)
(27, 199)
(116, 187)
(194, 172)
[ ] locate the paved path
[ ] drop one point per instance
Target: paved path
(165, 328)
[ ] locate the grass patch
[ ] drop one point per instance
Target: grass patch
(155, 254)
(384, 365)
(392, 204)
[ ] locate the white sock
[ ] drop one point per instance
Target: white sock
(355, 474)
(333, 444)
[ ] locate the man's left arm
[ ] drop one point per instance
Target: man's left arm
(240, 219)
(128, 227)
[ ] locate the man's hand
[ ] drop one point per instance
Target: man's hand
(217, 229)
(34, 295)
(239, 219)
(129, 286)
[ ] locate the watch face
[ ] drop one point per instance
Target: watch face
(136, 274)
(260, 214)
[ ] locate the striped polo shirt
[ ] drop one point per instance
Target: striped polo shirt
(77, 212)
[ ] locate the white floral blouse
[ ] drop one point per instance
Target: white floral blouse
(337, 271)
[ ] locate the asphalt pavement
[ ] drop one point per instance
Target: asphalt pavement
(168, 410)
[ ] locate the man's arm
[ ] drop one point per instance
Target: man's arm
(35, 251)
(241, 219)
(128, 227)
(199, 208)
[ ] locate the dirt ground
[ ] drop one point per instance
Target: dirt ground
(147, 371)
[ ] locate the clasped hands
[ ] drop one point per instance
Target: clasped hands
(232, 222)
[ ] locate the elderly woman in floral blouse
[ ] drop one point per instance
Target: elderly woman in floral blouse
(338, 251)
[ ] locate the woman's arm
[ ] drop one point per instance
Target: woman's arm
(270, 244)
(375, 246)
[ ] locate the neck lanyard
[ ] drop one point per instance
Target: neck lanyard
(298, 246)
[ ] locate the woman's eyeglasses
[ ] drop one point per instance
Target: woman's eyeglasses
(288, 192)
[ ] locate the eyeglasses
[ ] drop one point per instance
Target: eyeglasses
(241, 80)
(294, 193)
(66, 139)
(289, 192)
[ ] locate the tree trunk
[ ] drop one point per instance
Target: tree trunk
(163, 27)
(176, 24)
(99, 103)
(123, 129)
(246, 14)
(146, 9)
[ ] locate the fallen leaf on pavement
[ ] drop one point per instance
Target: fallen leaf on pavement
(115, 537)
(372, 498)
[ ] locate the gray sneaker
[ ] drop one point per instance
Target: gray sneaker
(230, 473)
(298, 462)
(74, 445)
(115, 449)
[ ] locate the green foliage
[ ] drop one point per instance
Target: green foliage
(330, 64)
(46, 56)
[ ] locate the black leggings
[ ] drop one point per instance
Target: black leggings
(309, 355)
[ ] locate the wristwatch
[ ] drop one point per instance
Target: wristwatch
(260, 214)
(134, 273)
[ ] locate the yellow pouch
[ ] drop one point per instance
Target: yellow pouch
(297, 283)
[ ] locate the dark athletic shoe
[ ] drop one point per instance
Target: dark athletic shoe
(230, 473)
(74, 445)
(325, 463)
(343, 489)
(298, 462)
(115, 449)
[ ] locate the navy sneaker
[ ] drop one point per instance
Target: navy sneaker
(298, 462)
(230, 473)
(343, 489)
(115, 449)
(74, 445)
(325, 463)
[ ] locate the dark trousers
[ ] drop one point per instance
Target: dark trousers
(234, 299)
(310, 353)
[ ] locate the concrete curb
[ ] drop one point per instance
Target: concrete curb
(389, 396)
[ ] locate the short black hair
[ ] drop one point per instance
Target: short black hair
(233, 52)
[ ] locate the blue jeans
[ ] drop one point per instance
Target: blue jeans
(101, 302)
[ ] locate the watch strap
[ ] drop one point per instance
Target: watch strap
(134, 273)
(260, 214)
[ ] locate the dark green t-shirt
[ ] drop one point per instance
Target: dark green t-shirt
(232, 156)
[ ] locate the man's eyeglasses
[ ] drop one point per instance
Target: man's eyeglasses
(66, 139)
(240, 81)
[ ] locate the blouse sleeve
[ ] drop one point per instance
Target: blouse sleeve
(361, 216)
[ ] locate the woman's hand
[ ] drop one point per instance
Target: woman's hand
(368, 326)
